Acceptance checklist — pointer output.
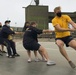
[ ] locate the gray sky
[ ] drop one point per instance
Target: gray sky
(12, 9)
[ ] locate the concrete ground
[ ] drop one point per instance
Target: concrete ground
(19, 65)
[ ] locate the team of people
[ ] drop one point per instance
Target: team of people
(7, 40)
(30, 41)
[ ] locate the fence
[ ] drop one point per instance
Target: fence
(44, 35)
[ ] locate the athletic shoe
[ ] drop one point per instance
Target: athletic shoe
(37, 59)
(7, 54)
(11, 56)
(50, 63)
(17, 55)
(72, 64)
(29, 60)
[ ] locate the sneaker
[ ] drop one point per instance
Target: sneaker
(11, 56)
(72, 64)
(7, 54)
(17, 55)
(37, 60)
(29, 60)
(50, 63)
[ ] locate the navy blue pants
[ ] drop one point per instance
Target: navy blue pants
(13, 46)
(9, 45)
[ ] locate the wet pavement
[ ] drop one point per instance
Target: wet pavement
(20, 66)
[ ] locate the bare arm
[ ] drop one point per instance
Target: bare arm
(18, 33)
(73, 24)
(58, 28)
(48, 31)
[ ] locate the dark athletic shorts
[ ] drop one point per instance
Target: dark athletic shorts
(34, 46)
(66, 40)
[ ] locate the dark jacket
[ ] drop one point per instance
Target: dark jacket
(6, 31)
(30, 34)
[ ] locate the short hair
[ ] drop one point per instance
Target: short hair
(32, 23)
(57, 8)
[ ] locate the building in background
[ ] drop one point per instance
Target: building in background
(38, 14)
(41, 15)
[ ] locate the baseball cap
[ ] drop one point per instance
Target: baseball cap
(7, 21)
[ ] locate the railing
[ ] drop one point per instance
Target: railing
(44, 35)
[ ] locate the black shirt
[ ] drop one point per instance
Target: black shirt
(30, 34)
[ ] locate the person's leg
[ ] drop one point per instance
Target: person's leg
(36, 56)
(35, 53)
(29, 55)
(45, 54)
(0, 49)
(1, 42)
(72, 44)
(7, 44)
(60, 44)
(13, 46)
(1, 52)
(2, 46)
(43, 58)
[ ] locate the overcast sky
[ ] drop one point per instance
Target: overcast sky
(12, 9)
